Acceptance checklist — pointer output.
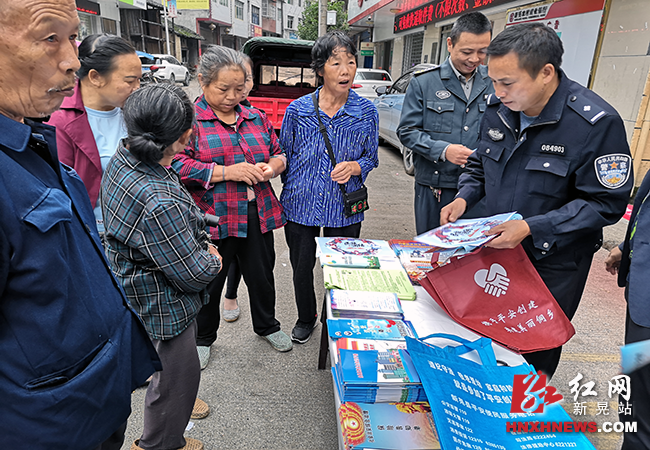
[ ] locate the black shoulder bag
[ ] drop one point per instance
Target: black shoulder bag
(354, 202)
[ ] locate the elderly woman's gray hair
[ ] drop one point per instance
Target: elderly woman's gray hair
(217, 58)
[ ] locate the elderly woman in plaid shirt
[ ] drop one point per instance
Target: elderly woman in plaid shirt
(227, 168)
(160, 252)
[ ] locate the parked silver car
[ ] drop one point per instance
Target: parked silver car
(389, 104)
(169, 68)
(367, 80)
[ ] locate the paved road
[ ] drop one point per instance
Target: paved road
(262, 399)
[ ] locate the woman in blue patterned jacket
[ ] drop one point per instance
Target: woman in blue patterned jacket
(311, 196)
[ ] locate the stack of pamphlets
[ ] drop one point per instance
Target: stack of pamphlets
(462, 237)
(365, 305)
(389, 426)
(373, 376)
(415, 257)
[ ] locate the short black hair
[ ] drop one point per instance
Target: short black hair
(535, 44)
(473, 22)
(156, 116)
(98, 51)
(324, 48)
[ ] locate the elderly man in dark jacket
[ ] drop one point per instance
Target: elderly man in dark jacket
(71, 349)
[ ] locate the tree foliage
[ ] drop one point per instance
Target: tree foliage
(308, 26)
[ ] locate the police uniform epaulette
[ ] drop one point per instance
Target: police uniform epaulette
(492, 100)
(428, 69)
(589, 110)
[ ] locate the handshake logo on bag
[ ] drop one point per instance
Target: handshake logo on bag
(495, 281)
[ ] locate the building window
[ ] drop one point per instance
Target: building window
(224, 2)
(255, 15)
(109, 26)
(290, 22)
(239, 10)
(269, 9)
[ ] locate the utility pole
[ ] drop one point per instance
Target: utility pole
(322, 17)
(166, 26)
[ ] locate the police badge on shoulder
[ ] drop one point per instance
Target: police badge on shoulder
(613, 170)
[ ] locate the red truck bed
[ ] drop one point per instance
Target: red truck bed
(273, 107)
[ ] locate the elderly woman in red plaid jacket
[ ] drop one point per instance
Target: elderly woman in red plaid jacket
(227, 168)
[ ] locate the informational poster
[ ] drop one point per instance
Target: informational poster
(172, 10)
(576, 22)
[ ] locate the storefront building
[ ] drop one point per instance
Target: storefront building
(606, 43)
(101, 16)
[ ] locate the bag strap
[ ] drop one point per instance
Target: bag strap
(323, 131)
(482, 346)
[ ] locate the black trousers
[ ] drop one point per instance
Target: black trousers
(302, 254)
(427, 207)
(234, 277)
(115, 440)
(639, 393)
(565, 276)
(256, 256)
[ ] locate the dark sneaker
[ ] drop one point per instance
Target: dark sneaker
(301, 332)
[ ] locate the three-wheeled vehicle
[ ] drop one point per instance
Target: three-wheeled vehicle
(281, 74)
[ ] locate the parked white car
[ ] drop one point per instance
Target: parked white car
(169, 68)
(367, 80)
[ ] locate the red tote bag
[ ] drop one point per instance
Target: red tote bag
(500, 295)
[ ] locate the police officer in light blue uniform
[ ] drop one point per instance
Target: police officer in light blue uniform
(553, 151)
(441, 115)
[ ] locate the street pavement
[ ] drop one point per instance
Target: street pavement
(262, 399)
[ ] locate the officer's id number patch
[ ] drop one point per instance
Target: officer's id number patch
(554, 149)
(443, 94)
(613, 170)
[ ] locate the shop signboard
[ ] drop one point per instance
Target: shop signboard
(439, 10)
(88, 7)
(142, 4)
(193, 4)
(576, 22)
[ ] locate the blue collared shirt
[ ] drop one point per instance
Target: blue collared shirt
(309, 195)
(71, 348)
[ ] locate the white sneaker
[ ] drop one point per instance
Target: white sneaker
(204, 355)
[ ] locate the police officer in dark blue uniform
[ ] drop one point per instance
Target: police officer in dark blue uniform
(441, 115)
(556, 153)
(633, 276)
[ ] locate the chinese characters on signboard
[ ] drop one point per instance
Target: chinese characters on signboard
(439, 10)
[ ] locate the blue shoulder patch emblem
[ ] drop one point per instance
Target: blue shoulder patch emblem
(613, 170)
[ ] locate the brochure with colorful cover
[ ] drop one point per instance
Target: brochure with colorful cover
(389, 426)
(369, 344)
(383, 329)
(360, 304)
(355, 252)
(415, 257)
(465, 233)
(370, 280)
